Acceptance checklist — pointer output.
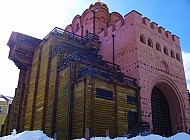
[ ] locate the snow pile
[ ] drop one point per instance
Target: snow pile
(39, 135)
(27, 135)
(179, 136)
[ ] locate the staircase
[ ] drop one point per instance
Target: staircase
(141, 128)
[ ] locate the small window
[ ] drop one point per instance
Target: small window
(142, 39)
(1, 108)
(150, 42)
(178, 57)
(158, 47)
(131, 100)
(172, 54)
(165, 50)
(104, 94)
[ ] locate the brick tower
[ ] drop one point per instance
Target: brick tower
(148, 53)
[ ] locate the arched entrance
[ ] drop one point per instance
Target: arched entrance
(167, 107)
(160, 113)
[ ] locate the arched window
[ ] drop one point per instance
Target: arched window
(164, 66)
(165, 50)
(172, 54)
(150, 42)
(178, 57)
(158, 47)
(142, 39)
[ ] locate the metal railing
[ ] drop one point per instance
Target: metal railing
(73, 36)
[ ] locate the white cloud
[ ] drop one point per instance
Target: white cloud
(186, 62)
(35, 18)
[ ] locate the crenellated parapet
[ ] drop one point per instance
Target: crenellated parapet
(21, 49)
(135, 17)
(154, 26)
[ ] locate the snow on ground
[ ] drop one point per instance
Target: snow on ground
(179, 136)
(27, 135)
(39, 135)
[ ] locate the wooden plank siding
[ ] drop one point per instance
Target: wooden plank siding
(50, 96)
(69, 88)
(62, 111)
(32, 88)
(99, 114)
(78, 110)
(39, 106)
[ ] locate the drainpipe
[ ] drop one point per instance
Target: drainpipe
(84, 113)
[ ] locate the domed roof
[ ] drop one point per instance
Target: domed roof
(99, 4)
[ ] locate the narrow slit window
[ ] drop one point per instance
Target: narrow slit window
(142, 39)
(158, 47)
(165, 50)
(150, 42)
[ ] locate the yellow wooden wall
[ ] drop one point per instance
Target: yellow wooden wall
(104, 111)
(91, 112)
(51, 95)
(62, 110)
(24, 98)
(32, 86)
(39, 107)
(124, 107)
(78, 109)
(99, 114)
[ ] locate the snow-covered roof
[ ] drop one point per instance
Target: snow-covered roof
(2, 100)
(6, 98)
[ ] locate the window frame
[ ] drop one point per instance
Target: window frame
(104, 94)
(132, 100)
(150, 43)
(1, 108)
(178, 57)
(172, 54)
(142, 39)
(158, 47)
(165, 50)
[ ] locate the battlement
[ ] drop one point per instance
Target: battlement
(159, 29)
(135, 17)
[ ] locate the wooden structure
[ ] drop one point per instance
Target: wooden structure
(65, 86)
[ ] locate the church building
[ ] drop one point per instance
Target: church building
(104, 71)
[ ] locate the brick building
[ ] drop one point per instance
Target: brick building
(148, 53)
(144, 51)
(5, 104)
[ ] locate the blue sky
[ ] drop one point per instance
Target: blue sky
(38, 17)
(173, 15)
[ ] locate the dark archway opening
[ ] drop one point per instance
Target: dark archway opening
(160, 113)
